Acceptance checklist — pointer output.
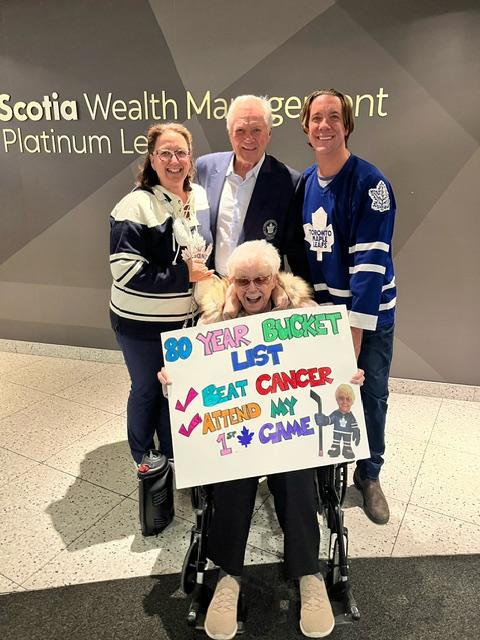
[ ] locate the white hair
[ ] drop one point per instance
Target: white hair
(260, 101)
(254, 252)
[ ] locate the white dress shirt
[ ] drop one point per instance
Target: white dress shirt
(234, 201)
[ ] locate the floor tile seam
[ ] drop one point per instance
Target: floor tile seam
(53, 432)
(48, 393)
(72, 442)
(11, 580)
(22, 455)
(18, 475)
(66, 546)
(84, 404)
(95, 484)
(257, 509)
(56, 395)
(83, 379)
(28, 406)
(116, 493)
(390, 555)
(424, 453)
(444, 514)
(91, 375)
(278, 555)
(14, 369)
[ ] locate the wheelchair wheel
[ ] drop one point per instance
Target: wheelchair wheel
(189, 568)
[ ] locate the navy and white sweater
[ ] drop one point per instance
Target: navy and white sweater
(348, 227)
(151, 291)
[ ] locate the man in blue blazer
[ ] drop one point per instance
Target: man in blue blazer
(251, 194)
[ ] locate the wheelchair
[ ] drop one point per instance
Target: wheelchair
(332, 486)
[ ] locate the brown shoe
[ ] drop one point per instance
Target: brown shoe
(374, 502)
(316, 615)
(221, 618)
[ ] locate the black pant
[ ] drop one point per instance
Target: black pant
(147, 408)
(295, 497)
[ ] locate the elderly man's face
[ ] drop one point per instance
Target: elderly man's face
(249, 134)
(254, 284)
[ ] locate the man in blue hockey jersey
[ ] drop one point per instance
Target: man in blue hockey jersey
(348, 217)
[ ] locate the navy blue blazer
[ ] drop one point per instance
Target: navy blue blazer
(274, 213)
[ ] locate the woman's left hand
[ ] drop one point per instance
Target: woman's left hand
(279, 298)
(232, 306)
(359, 377)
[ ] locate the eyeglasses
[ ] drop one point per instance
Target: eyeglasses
(259, 281)
(166, 155)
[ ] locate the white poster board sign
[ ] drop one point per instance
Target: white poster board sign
(263, 394)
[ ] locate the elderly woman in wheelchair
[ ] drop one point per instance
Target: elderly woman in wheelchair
(253, 275)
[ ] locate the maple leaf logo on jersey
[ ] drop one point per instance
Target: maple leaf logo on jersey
(380, 198)
(319, 235)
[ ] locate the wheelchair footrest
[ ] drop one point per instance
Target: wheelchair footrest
(343, 603)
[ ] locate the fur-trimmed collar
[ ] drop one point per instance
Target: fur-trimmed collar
(210, 295)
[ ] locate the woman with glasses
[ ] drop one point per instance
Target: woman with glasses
(253, 272)
(153, 283)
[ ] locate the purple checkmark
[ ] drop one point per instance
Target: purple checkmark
(194, 422)
(191, 395)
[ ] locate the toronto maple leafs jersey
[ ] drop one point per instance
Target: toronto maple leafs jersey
(343, 422)
(348, 227)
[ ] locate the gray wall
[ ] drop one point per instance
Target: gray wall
(54, 276)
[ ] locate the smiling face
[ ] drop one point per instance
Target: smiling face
(253, 284)
(171, 171)
(249, 134)
(326, 130)
(344, 401)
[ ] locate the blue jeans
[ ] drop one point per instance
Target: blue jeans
(375, 359)
(147, 408)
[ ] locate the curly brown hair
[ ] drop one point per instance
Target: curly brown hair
(147, 177)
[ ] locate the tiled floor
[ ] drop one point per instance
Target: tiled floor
(68, 489)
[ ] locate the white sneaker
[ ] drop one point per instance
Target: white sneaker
(316, 615)
(221, 618)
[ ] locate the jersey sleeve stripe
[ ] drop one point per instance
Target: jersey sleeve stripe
(130, 272)
(388, 305)
(341, 293)
(390, 285)
(368, 246)
(373, 268)
(362, 320)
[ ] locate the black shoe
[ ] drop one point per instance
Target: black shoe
(334, 450)
(347, 452)
(374, 502)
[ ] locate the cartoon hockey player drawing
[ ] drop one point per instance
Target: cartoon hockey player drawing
(345, 426)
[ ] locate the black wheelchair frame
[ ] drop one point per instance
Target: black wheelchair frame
(332, 486)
